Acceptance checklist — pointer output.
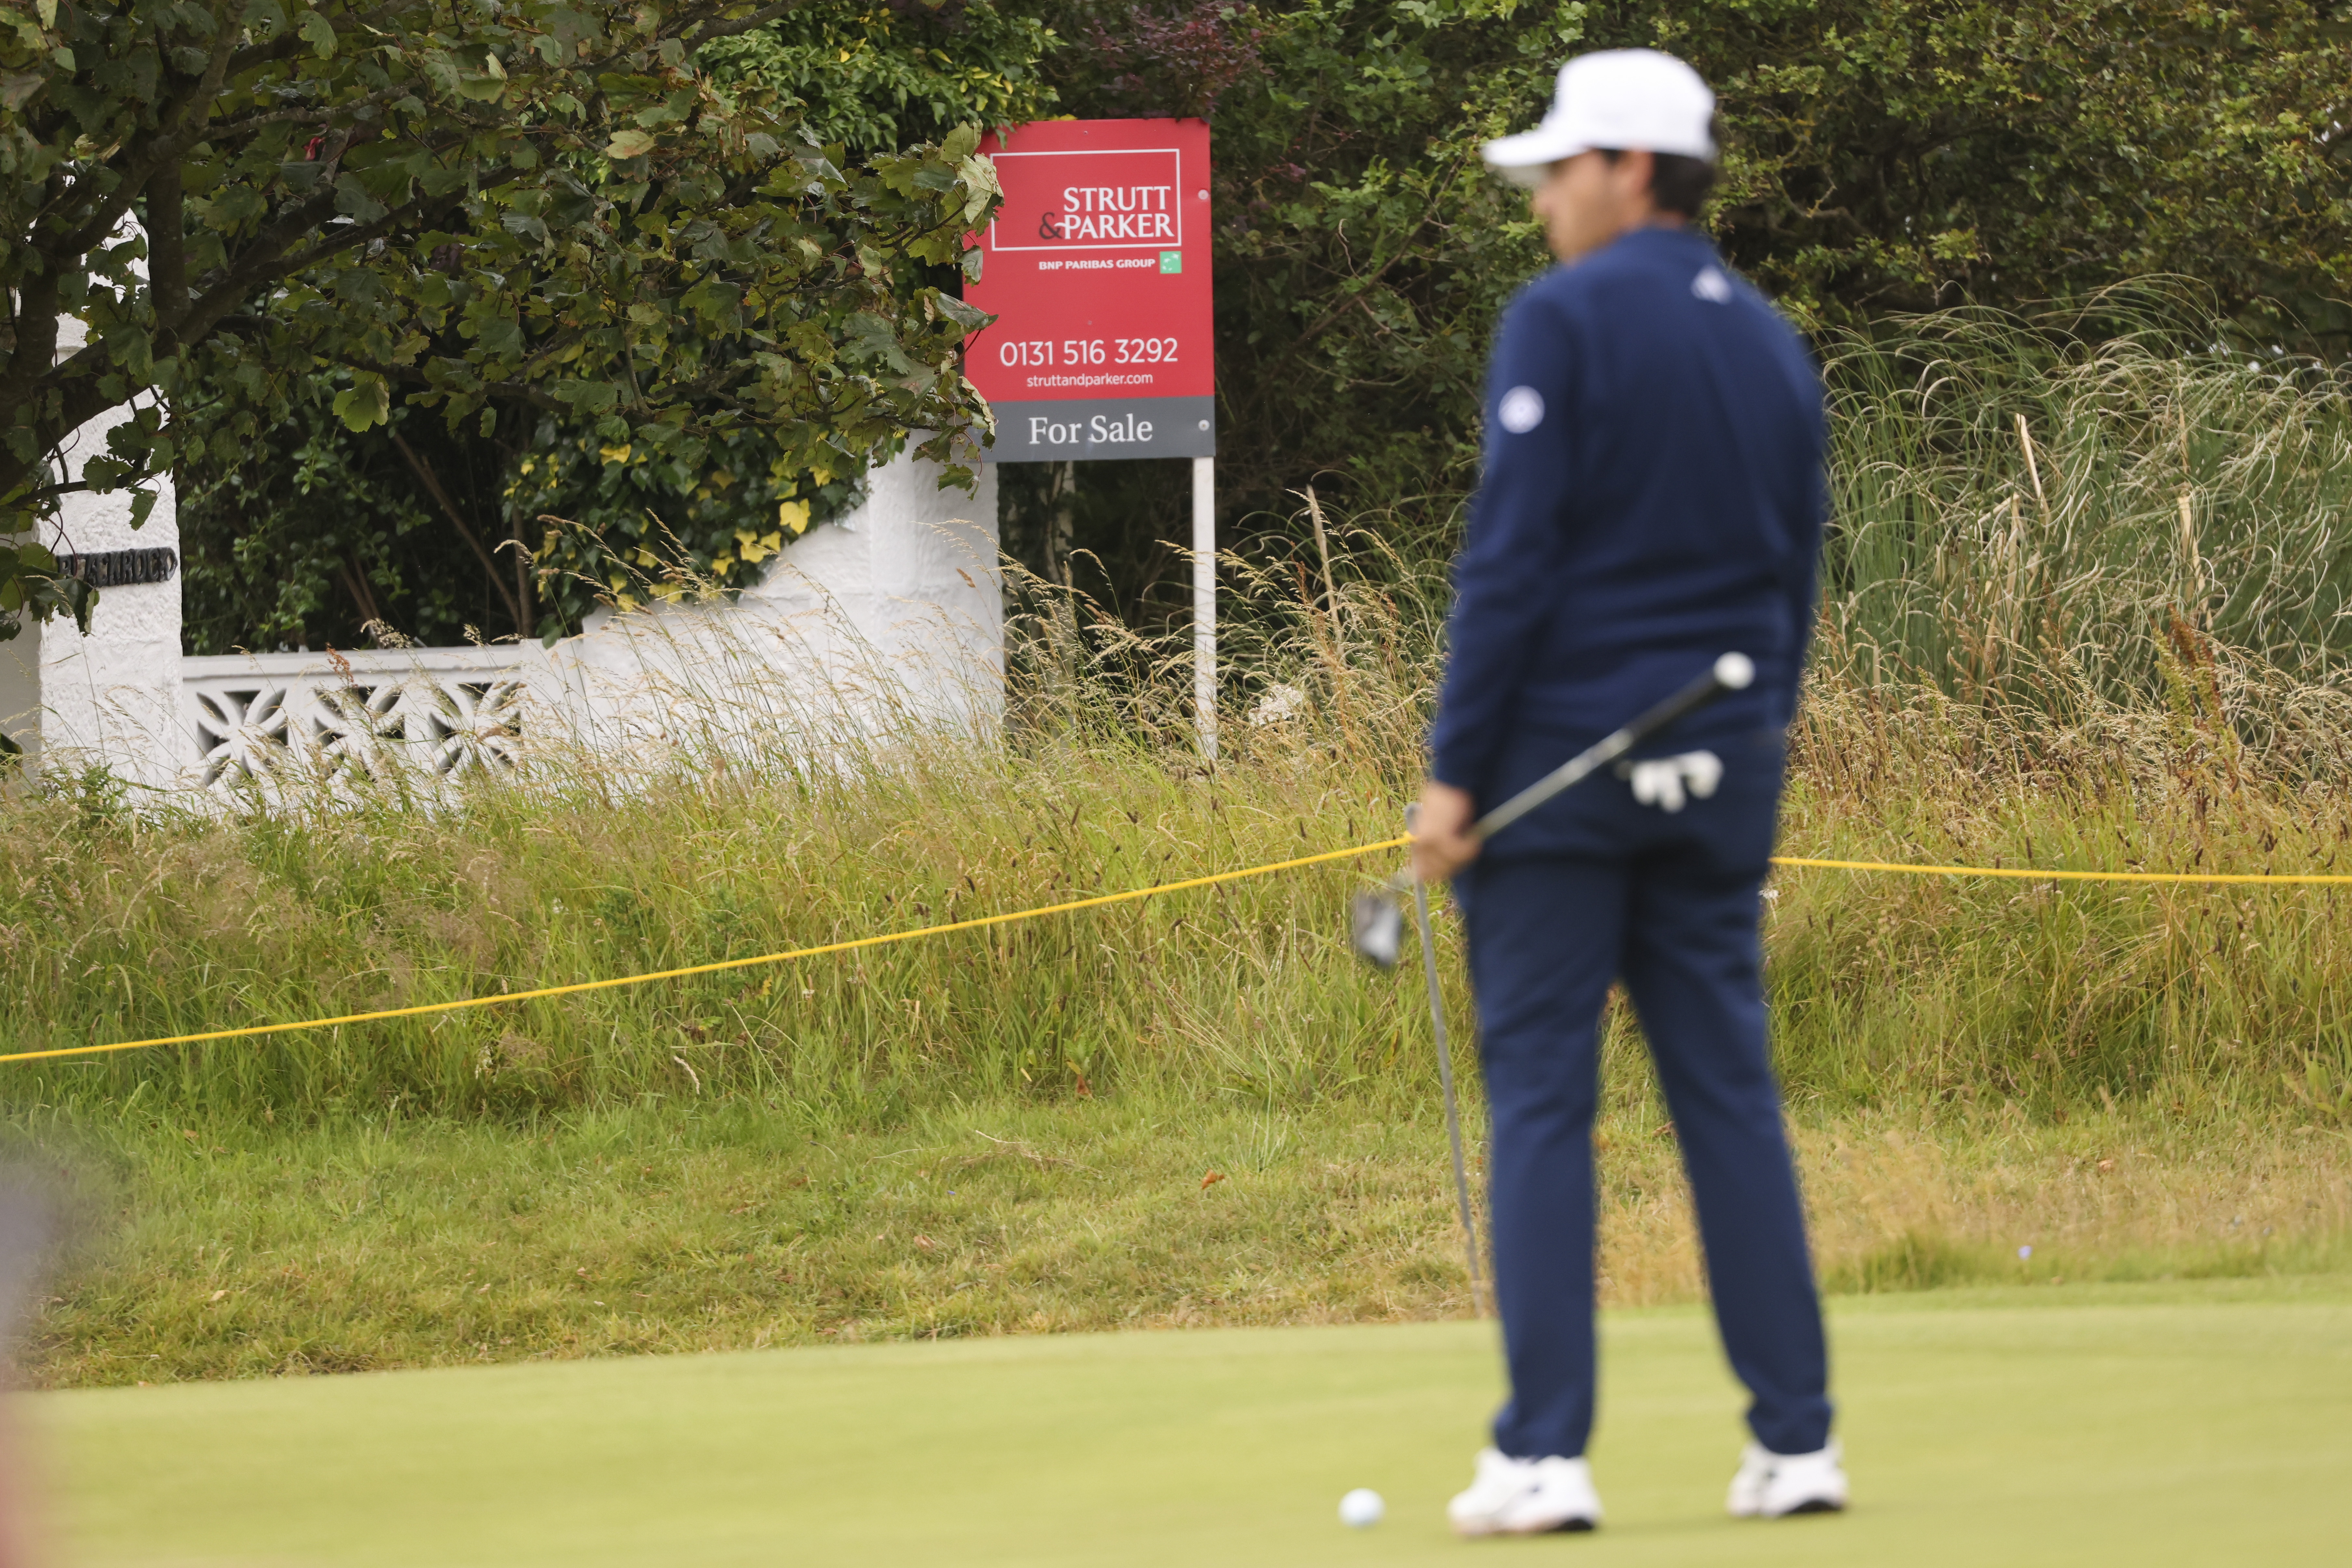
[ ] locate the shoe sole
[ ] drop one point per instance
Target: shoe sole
(1811, 1505)
(1576, 1526)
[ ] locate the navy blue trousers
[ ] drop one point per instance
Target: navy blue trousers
(1599, 889)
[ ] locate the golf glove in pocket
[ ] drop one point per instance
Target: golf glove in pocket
(1668, 782)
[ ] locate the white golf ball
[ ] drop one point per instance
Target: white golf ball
(1361, 1509)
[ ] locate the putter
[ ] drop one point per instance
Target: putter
(1378, 922)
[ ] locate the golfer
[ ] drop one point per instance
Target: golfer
(1653, 498)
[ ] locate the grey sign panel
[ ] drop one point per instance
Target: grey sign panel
(119, 568)
(1094, 428)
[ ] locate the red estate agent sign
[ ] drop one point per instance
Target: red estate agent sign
(1097, 269)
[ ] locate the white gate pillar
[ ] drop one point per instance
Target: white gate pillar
(110, 698)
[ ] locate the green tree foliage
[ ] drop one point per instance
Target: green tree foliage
(315, 534)
(463, 208)
(1883, 155)
(868, 79)
(326, 517)
(310, 534)
(647, 524)
(880, 76)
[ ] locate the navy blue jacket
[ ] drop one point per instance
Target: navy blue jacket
(1654, 495)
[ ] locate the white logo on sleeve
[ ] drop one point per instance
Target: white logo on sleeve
(1712, 286)
(1521, 410)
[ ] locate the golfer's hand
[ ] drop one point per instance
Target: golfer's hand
(1442, 840)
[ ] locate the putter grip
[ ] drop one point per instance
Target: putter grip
(1731, 672)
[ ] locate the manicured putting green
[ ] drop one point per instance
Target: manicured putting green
(2163, 1424)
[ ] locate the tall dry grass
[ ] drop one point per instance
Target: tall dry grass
(2024, 660)
(2133, 539)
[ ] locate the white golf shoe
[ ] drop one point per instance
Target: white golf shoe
(1773, 1486)
(1526, 1497)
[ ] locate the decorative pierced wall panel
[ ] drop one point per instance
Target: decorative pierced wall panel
(888, 622)
(438, 711)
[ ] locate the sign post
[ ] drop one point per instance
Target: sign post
(1205, 605)
(1096, 269)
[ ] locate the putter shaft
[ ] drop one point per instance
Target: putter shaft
(1445, 1081)
(1446, 1078)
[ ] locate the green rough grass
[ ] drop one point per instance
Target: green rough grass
(246, 1251)
(435, 1242)
(1886, 987)
(2021, 663)
(2150, 1426)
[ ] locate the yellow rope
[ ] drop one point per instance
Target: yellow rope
(576, 988)
(1131, 894)
(2027, 874)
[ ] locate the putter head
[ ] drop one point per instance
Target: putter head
(1378, 928)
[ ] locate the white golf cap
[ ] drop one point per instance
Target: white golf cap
(1624, 99)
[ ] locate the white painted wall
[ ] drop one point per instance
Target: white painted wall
(888, 621)
(886, 624)
(113, 695)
